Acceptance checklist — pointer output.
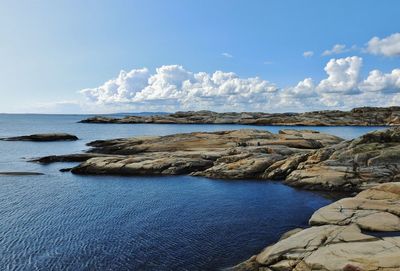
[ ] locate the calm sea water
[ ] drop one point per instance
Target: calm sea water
(61, 221)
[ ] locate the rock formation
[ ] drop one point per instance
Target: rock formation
(351, 165)
(227, 154)
(304, 158)
(43, 137)
(364, 116)
(339, 244)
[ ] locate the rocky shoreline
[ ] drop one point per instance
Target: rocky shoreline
(363, 116)
(237, 154)
(335, 240)
(300, 158)
(307, 159)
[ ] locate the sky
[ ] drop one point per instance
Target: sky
(101, 56)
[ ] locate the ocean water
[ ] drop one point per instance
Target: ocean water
(60, 221)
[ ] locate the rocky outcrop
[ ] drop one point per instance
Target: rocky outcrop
(351, 165)
(375, 209)
(337, 246)
(364, 116)
(228, 154)
(304, 158)
(43, 137)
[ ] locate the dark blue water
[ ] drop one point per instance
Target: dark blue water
(61, 221)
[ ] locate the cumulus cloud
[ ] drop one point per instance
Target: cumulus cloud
(388, 46)
(303, 89)
(172, 88)
(343, 74)
(227, 55)
(120, 89)
(383, 82)
(336, 49)
(308, 53)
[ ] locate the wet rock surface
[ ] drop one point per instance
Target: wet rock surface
(363, 116)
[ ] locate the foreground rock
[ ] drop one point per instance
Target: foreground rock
(43, 137)
(364, 116)
(228, 154)
(375, 209)
(336, 247)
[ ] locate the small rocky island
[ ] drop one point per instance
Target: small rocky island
(344, 236)
(363, 116)
(43, 137)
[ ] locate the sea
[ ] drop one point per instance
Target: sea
(61, 221)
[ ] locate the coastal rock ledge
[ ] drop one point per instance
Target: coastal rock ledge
(363, 116)
(234, 154)
(338, 244)
(300, 158)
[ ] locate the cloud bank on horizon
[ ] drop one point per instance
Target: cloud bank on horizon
(172, 87)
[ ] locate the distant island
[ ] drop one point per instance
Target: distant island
(362, 116)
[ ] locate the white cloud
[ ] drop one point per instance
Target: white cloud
(343, 74)
(389, 46)
(336, 49)
(227, 55)
(308, 53)
(176, 87)
(172, 88)
(303, 89)
(120, 89)
(378, 81)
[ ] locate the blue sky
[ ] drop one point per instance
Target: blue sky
(52, 50)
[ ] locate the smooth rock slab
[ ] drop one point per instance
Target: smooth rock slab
(338, 244)
(376, 209)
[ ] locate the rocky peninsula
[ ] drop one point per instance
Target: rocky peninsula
(235, 154)
(363, 116)
(300, 158)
